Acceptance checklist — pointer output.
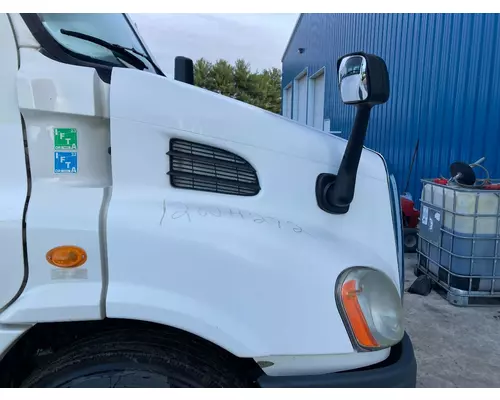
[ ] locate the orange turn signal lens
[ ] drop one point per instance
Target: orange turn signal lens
(355, 315)
(67, 256)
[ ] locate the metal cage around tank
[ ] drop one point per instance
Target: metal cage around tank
(459, 242)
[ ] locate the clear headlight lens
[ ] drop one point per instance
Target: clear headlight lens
(371, 308)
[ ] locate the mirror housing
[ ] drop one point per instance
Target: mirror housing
(184, 70)
(363, 79)
(364, 83)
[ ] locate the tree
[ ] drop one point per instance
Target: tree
(243, 81)
(261, 89)
(269, 89)
(223, 78)
(202, 76)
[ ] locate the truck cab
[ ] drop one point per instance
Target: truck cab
(156, 234)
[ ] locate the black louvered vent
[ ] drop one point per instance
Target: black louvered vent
(200, 167)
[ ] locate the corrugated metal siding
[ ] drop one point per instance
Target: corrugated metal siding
(445, 85)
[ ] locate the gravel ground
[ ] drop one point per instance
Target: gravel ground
(454, 346)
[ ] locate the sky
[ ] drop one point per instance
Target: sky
(260, 39)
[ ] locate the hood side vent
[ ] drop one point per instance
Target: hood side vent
(197, 166)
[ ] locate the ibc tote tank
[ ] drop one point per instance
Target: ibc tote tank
(469, 234)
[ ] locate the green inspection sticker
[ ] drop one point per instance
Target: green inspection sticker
(65, 139)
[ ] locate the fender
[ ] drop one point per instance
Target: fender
(132, 301)
(251, 289)
(9, 335)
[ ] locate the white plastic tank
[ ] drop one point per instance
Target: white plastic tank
(466, 233)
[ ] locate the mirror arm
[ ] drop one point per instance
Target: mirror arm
(340, 192)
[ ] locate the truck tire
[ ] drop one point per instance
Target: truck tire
(410, 240)
(131, 359)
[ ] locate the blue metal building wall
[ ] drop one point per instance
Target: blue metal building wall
(445, 85)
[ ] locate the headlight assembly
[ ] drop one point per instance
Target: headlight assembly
(371, 308)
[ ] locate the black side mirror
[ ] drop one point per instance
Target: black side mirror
(184, 70)
(363, 82)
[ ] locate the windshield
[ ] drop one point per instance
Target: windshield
(113, 28)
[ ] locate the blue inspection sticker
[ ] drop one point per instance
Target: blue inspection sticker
(65, 162)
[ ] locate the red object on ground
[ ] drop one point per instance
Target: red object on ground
(493, 186)
(440, 181)
(410, 214)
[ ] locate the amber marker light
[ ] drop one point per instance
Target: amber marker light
(355, 315)
(66, 256)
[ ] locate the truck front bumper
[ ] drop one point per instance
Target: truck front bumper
(399, 370)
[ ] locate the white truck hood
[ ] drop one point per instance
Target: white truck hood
(287, 156)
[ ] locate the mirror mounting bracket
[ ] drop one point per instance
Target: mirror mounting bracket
(324, 182)
(335, 192)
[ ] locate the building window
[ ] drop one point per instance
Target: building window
(316, 108)
(300, 98)
(287, 101)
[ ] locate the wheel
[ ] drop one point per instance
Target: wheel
(133, 359)
(410, 240)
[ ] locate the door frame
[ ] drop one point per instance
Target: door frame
(287, 93)
(295, 104)
(311, 94)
